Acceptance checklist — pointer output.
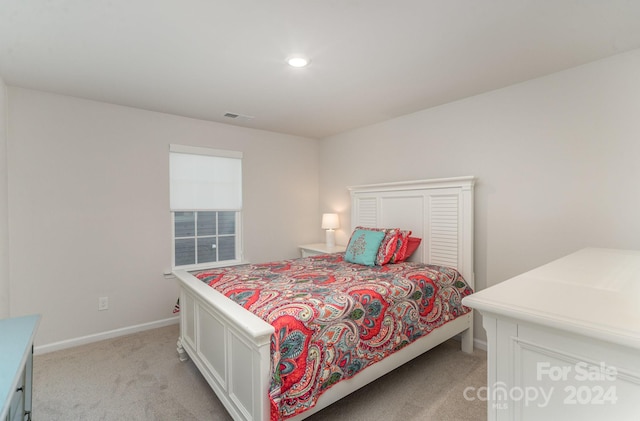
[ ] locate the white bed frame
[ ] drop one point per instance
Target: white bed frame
(230, 345)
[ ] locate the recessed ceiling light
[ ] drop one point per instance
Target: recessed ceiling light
(298, 61)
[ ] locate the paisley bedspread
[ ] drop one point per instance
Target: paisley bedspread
(333, 318)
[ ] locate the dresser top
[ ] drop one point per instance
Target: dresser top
(593, 292)
(16, 338)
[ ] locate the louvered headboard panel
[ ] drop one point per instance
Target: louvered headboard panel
(439, 211)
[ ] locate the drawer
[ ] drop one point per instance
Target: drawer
(16, 409)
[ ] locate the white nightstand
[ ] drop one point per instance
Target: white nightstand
(319, 248)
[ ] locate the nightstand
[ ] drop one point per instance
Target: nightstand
(16, 367)
(319, 248)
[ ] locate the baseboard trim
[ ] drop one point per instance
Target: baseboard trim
(83, 340)
(477, 343)
(480, 344)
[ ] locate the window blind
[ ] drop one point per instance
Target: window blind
(205, 179)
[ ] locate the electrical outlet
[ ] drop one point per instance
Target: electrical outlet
(103, 303)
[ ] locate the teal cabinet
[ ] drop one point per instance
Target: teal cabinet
(16, 367)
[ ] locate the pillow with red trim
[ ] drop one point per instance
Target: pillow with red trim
(401, 246)
(412, 245)
(388, 244)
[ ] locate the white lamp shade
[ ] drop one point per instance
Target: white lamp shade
(330, 221)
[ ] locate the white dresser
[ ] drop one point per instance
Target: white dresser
(563, 340)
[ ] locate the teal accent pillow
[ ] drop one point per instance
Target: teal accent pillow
(363, 247)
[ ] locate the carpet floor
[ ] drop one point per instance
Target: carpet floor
(139, 377)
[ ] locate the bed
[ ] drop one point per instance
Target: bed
(232, 347)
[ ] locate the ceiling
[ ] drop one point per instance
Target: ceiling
(372, 60)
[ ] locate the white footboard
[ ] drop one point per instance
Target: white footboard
(229, 345)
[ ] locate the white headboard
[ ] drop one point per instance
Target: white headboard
(440, 211)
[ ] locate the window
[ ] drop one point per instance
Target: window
(206, 206)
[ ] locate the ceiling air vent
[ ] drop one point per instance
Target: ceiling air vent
(238, 117)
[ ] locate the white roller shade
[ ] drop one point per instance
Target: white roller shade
(202, 182)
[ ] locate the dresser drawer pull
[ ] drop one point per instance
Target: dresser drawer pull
(20, 389)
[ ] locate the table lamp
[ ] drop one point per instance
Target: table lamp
(330, 223)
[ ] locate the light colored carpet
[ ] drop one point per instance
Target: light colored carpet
(139, 377)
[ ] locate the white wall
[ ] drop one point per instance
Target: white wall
(556, 160)
(89, 207)
(4, 237)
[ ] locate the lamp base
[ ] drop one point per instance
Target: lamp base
(331, 238)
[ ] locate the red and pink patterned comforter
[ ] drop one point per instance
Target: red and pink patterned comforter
(332, 318)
